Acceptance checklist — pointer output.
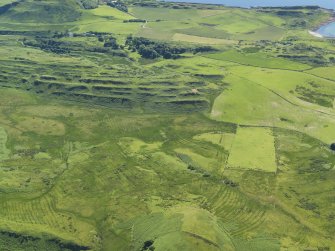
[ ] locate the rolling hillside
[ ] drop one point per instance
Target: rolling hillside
(148, 125)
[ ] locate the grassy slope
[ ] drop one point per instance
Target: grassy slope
(122, 179)
(5, 2)
(263, 107)
(3, 149)
(259, 60)
(43, 12)
(222, 23)
(324, 72)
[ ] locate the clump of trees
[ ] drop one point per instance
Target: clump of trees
(230, 183)
(48, 45)
(298, 23)
(111, 43)
(136, 20)
(308, 205)
(154, 49)
(52, 43)
(289, 13)
(89, 4)
(118, 5)
(201, 49)
(306, 59)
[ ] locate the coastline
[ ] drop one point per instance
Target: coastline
(314, 32)
(329, 21)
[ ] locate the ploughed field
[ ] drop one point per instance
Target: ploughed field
(168, 126)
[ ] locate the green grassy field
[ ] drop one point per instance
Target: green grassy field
(3, 148)
(201, 40)
(5, 2)
(323, 72)
(253, 148)
(258, 60)
(213, 133)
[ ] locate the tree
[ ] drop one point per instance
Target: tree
(118, 5)
(112, 44)
(147, 52)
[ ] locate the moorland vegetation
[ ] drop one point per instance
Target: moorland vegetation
(195, 127)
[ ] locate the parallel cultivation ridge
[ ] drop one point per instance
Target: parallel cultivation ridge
(149, 125)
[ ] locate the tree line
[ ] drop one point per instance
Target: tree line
(154, 49)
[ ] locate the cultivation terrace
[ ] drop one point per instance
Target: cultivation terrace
(153, 125)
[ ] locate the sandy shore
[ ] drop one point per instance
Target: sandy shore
(315, 34)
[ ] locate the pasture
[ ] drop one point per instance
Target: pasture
(201, 40)
(224, 140)
(272, 103)
(109, 13)
(4, 152)
(324, 72)
(209, 25)
(253, 148)
(258, 60)
(217, 140)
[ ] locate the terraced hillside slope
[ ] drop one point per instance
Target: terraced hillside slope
(146, 125)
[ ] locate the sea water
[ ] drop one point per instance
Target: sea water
(327, 30)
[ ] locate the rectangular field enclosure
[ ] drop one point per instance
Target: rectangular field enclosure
(253, 148)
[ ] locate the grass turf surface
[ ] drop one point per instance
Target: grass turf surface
(104, 150)
(253, 148)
